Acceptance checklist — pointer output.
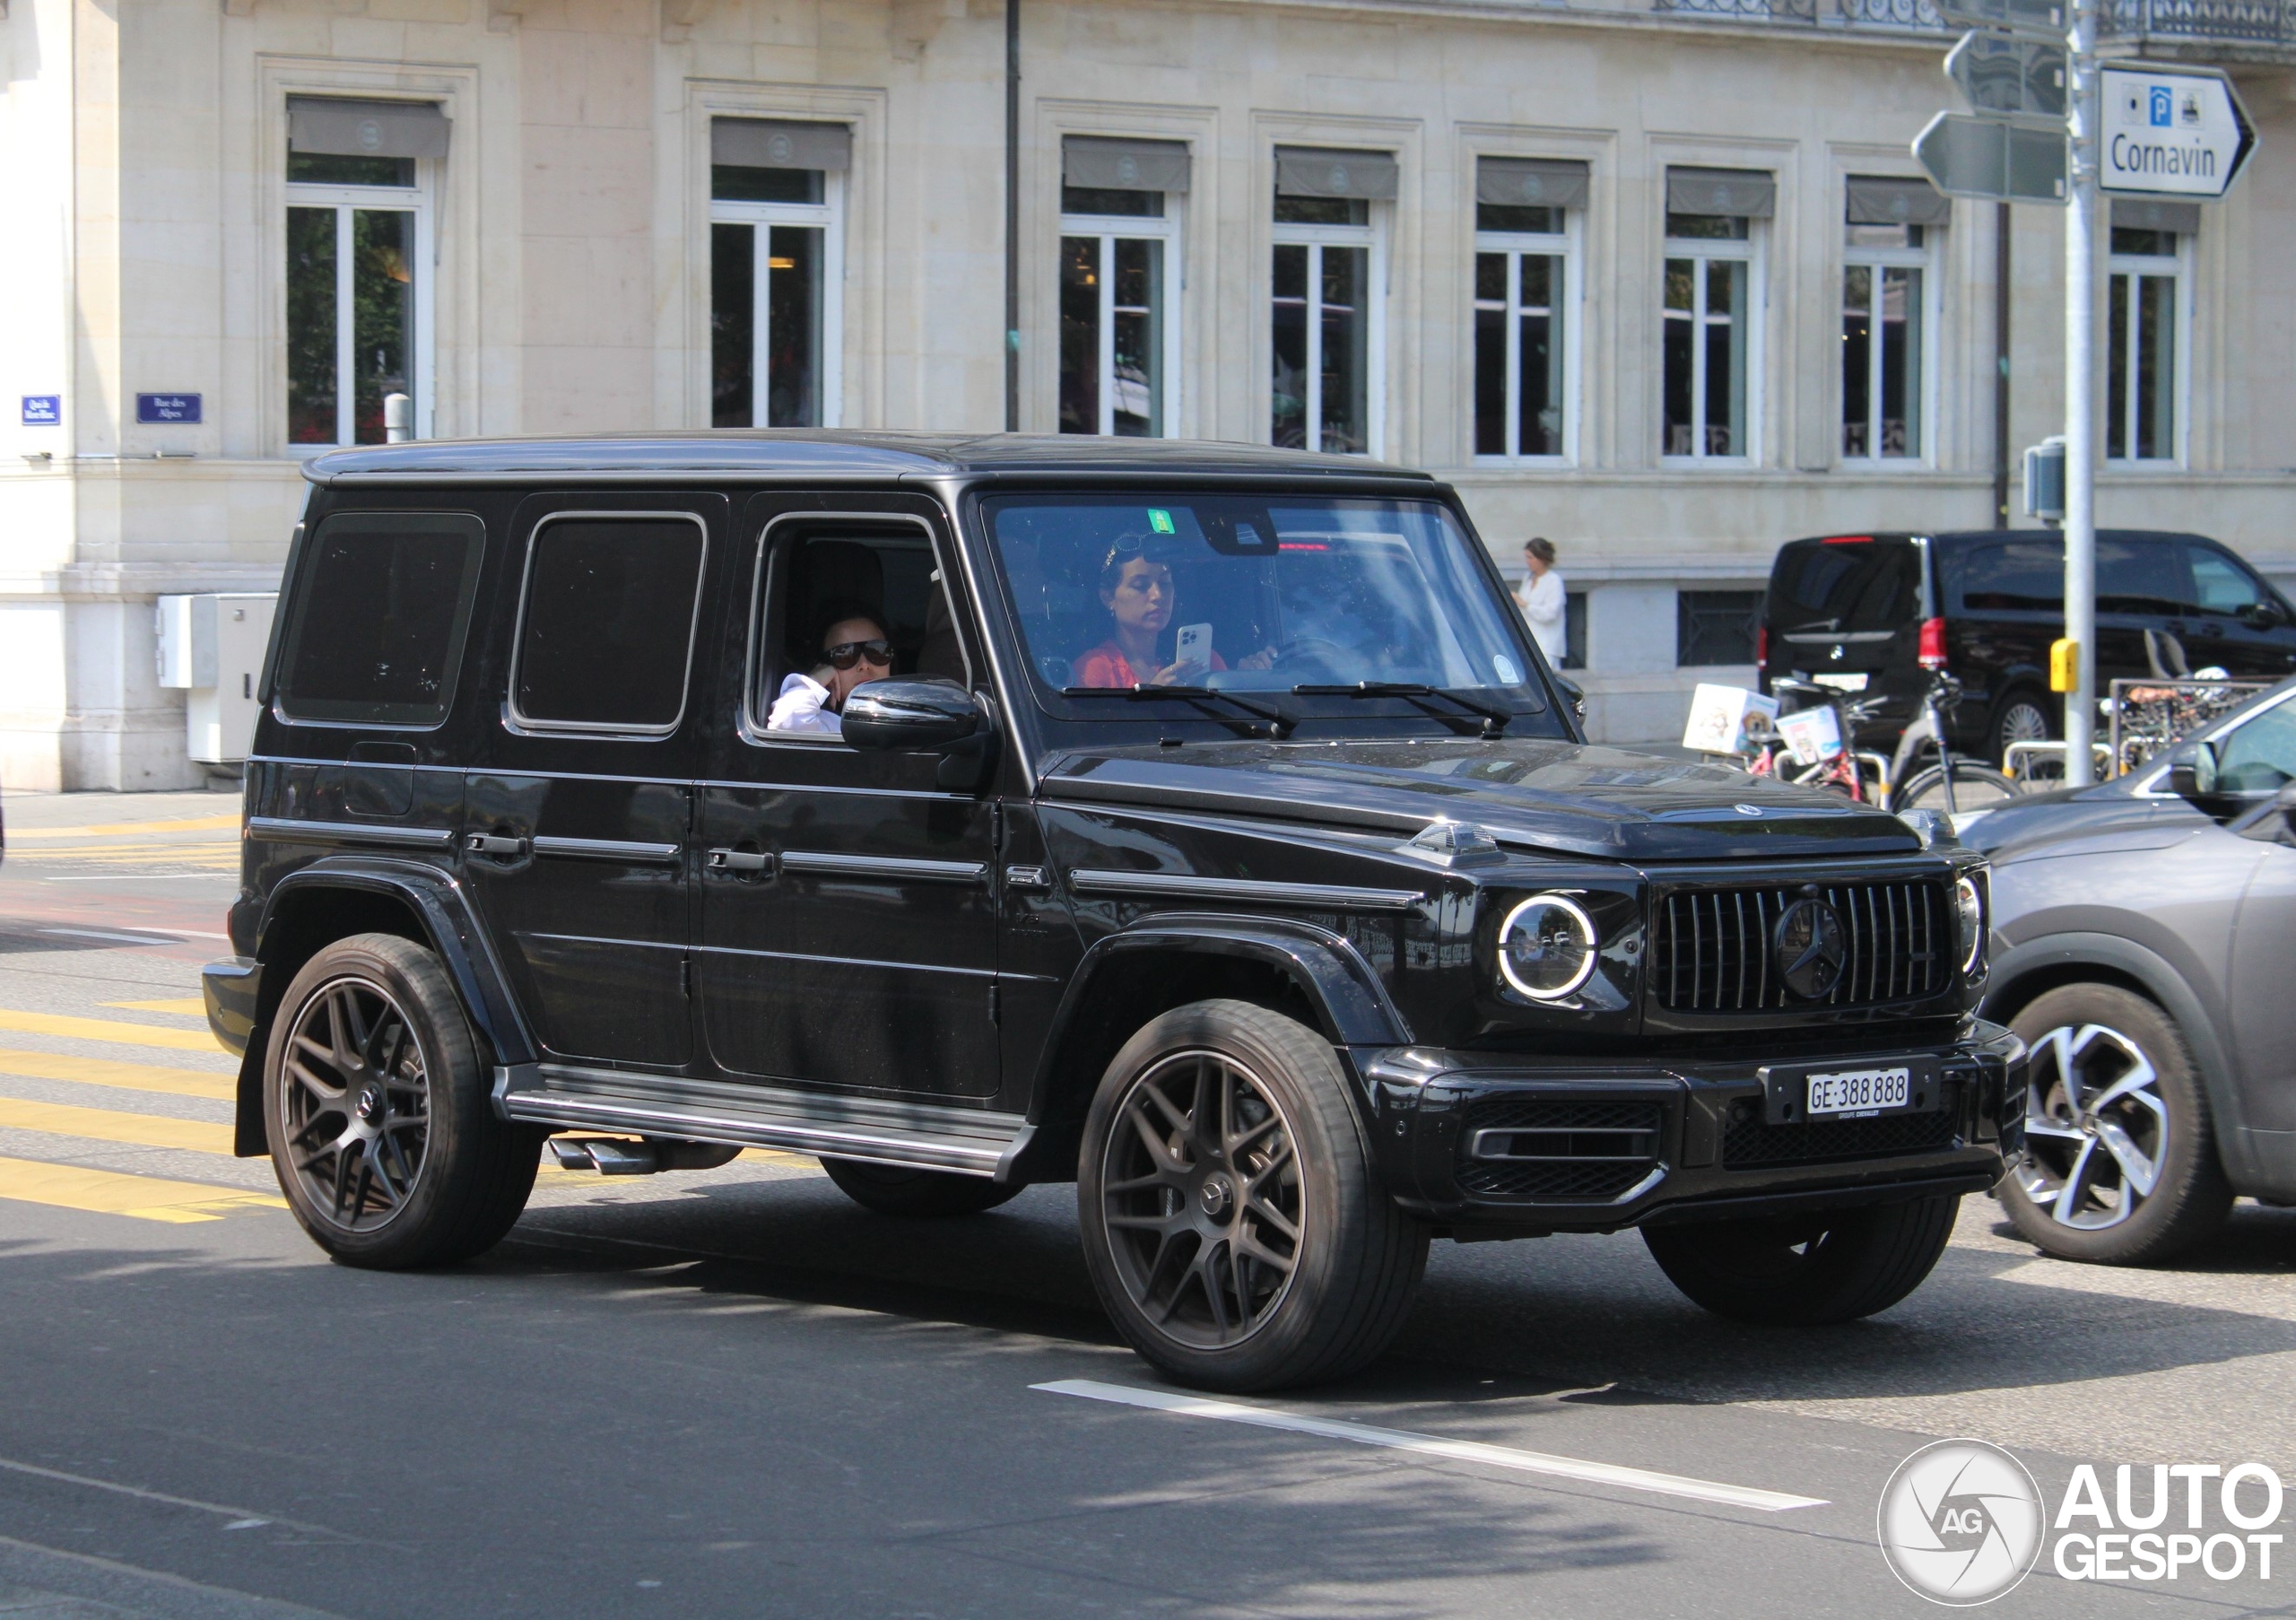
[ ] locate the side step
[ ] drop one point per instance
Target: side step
(918, 1136)
(645, 1157)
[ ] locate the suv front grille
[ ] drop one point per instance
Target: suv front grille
(1557, 1151)
(1749, 1143)
(1712, 951)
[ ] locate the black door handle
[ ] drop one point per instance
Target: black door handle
(486, 843)
(740, 863)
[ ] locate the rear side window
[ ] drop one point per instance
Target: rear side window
(1846, 585)
(382, 603)
(606, 622)
(2014, 576)
(2138, 577)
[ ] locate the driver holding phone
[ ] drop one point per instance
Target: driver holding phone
(1138, 592)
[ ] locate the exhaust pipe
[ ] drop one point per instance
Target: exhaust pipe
(617, 1157)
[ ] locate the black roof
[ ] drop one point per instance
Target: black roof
(766, 454)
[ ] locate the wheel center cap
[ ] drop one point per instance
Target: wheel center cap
(1215, 1195)
(2088, 1125)
(371, 1103)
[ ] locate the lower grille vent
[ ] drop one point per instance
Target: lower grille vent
(1555, 1152)
(1749, 1143)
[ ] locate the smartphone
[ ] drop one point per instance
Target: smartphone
(1195, 646)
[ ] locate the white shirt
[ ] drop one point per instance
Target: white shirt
(799, 708)
(1543, 602)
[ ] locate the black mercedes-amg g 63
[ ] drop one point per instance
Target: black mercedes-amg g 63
(1195, 822)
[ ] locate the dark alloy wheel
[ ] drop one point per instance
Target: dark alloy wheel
(895, 1189)
(2119, 1164)
(375, 1107)
(1234, 1224)
(1801, 1271)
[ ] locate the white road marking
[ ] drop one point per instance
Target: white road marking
(148, 936)
(1435, 1445)
(218, 1509)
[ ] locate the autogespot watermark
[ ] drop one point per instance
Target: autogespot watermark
(1961, 1522)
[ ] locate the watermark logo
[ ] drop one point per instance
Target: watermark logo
(1961, 1522)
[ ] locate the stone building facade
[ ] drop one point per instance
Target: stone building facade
(1660, 284)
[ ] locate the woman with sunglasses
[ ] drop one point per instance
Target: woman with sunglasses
(855, 649)
(1138, 592)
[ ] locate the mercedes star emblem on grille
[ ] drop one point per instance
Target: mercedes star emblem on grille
(1811, 947)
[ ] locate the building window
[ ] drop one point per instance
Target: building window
(357, 290)
(776, 250)
(1327, 344)
(1574, 629)
(1526, 304)
(1885, 319)
(2143, 312)
(1712, 342)
(1119, 259)
(1715, 626)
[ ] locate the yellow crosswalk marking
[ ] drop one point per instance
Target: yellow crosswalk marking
(107, 1192)
(182, 1006)
(105, 1125)
(107, 1029)
(128, 1076)
(198, 823)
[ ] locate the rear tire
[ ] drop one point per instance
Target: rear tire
(895, 1189)
(1805, 1271)
(1234, 1220)
(376, 1106)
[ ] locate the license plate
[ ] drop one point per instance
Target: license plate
(1842, 683)
(1860, 1091)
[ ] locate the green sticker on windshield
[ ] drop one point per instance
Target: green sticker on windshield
(1160, 521)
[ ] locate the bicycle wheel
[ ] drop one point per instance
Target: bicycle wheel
(1975, 787)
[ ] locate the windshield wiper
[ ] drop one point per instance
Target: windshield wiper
(1279, 725)
(1495, 718)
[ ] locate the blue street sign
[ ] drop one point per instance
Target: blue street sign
(43, 410)
(167, 407)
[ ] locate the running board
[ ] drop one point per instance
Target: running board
(916, 1136)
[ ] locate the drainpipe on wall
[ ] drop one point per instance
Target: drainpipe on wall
(1012, 216)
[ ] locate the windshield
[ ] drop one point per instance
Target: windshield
(1845, 585)
(1250, 594)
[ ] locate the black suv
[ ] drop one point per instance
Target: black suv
(1864, 612)
(1212, 836)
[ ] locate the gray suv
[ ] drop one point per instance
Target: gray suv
(2143, 935)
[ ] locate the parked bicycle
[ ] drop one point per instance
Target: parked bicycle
(1950, 782)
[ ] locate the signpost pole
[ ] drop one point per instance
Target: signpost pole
(2081, 393)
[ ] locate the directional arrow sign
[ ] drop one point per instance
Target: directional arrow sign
(2177, 131)
(2037, 19)
(1998, 159)
(2001, 74)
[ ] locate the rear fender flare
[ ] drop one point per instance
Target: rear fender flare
(2055, 959)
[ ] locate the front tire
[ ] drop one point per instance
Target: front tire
(896, 1190)
(1805, 1271)
(2120, 1163)
(376, 1108)
(1234, 1223)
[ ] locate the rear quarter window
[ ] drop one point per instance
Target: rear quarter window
(2010, 576)
(606, 626)
(381, 608)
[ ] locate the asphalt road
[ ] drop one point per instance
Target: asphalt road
(733, 1393)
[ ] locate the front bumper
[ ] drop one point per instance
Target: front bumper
(1503, 1144)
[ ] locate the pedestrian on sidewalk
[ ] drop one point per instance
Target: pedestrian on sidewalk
(1542, 598)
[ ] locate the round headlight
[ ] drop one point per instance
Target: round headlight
(1546, 947)
(1969, 906)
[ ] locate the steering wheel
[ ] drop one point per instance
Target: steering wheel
(1313, 659)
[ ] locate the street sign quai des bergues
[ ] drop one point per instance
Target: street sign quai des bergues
(1997, 159)
(2170, 132)
(2002, 73)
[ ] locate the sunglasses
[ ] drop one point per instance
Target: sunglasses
(845, 655)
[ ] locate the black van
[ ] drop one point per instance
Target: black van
(1875, 613)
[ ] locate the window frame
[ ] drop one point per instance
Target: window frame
(2176, 267)
(828, 216)
(1372, 234)
(1926, 259)
(1168, 227)
(421, 199)
(1565, 245)
(304, 558)
(1752, 251)
(523, 724)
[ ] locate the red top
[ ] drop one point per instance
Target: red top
(1105, 665)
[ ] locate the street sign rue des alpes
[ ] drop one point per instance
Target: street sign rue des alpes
(1998, 73)
(2178, 132)
(1993, 158)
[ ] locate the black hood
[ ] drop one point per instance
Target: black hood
(1532, 793)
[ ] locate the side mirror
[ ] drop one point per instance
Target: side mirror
(1573, 695)
(910, 717)
(2192, 773)
(2262, 615)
